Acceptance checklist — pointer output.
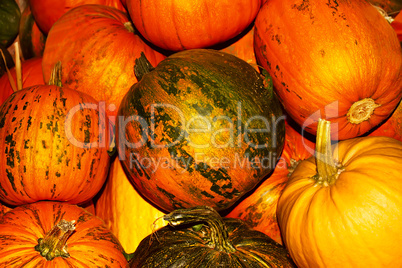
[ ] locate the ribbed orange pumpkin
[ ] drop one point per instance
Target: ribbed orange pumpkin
(125, 211)
(47, 12)
(346, 66)
(342, 208)
(99, 52)
(187, 24)
(259, 208)
(54, 144)
(80, 239)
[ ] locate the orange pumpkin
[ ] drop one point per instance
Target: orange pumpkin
(47, 12)
(342, 208)
(392, 127)
(125, 211)
(54, 145)
(59, 235)
(345, 67)
(98, 58)
(31, 73)
(187, 24)
(397, 25)
(243, 47)
(259, 208)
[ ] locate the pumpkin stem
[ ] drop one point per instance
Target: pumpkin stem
(54, 243)
(328, 171)
(55, 76)
(129, 26)
(142, 66)
(18, 68)
(219, 237)
(361, 110)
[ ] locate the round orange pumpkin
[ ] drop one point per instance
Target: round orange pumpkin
(259, 208)
(187, 24)
(54, 145)
(47, 12)
(98, 53)
(59, 235)
(345, 66)
(125, 212)
(342, 208)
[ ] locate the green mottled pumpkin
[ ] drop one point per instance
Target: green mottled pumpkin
(199, 237)
(9, 21)
(202, 128)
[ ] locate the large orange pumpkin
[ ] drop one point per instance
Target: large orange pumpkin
(59, 235)
(259, 208)
(98, 53)
(346, 66)
(342, 208)
(47, 12)
(125, 212)
(54, 145)
(186, 24)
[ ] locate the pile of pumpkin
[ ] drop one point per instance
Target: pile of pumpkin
(200, 133)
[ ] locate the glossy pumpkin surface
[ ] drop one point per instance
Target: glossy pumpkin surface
(199, 237)
(345, 67)
(54, 144)
(187, 130)
(99, 53)
(47, 12)
(89, 244)
(346, 214)
(125, 212)
(9, 21)
(187, 24)
(259, 208)
(31, 73)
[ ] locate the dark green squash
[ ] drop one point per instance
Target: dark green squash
(199, 237)
(9, 21)
(202, 128)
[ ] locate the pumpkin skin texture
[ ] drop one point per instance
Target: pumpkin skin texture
(47, 12)
(31, 38)
(49, 141)
(90, 245)
(345, 67)
(352, 218)
(243, 48)
(9, 20)
(184, 24)
(123, 209)
(259, 208)
(214, 242)
(98, 59)
(392, 127)
(397, 25)
(181, 138)
(31, 72)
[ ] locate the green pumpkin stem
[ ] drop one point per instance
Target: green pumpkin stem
(54, 243)
(327, 168)
(56, 75)
(142, 66)
(219, 237)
